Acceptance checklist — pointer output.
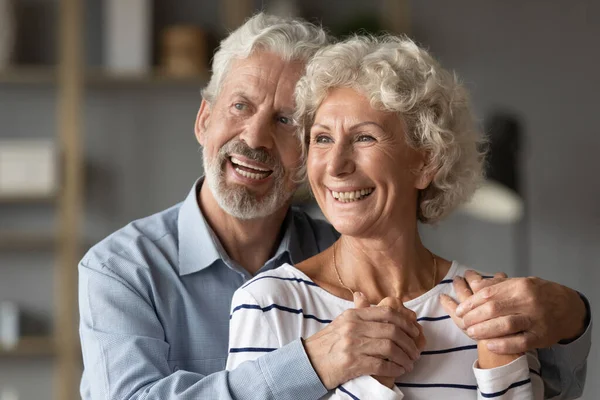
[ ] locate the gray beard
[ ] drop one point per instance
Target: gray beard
(237, 200)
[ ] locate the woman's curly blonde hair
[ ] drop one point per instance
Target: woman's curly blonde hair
(400, 77)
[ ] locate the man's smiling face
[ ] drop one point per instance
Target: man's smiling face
(250, 150)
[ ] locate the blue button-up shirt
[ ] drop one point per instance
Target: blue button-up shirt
(154, 302)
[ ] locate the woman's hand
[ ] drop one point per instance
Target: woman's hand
(486, 358)
(376, 341)
(395, 304)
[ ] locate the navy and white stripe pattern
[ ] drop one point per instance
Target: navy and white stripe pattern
(278, 307)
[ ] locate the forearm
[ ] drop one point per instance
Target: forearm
(487, 359)
(518, 379)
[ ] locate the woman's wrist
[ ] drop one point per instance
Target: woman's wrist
(488, 359)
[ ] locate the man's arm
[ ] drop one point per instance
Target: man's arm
(125, 353)
(521, 314)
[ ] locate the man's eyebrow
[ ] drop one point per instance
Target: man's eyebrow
(243, 95)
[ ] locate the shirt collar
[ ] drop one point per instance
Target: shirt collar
(199, 247)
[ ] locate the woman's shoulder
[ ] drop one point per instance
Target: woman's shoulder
(277, 284)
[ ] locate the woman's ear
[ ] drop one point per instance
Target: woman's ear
(202, 120)
(425, 173)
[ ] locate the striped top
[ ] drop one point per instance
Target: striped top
(280, 306)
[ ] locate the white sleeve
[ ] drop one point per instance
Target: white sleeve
(250, 334)
(366, 387)
(518, 380)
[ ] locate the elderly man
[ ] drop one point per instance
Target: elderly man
(155, 295)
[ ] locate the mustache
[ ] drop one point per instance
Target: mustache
(259, 155)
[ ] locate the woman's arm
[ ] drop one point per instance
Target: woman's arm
(250, 334)
(510, 377)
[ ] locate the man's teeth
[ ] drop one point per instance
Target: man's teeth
(243, 164)
(250, 174)
(356, 195)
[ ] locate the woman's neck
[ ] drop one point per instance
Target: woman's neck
(379, 268)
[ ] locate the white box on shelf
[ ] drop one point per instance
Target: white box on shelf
(9, 325)
(127, 36)
(28, 167)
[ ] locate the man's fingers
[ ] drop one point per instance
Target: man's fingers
(499, 327)
(387, 350)
(360, 300)
(462, 289)
(477, 299)
(383, 331)
(491, 309)
(472, 276)
(513, 344)
(478, 285)
(450, 305)
(404, 317)
(379, 367)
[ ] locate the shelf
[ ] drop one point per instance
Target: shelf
(27, 199)
(28, 75)
(103, 78)
(21, 241)
(32, 346)
(98, 77)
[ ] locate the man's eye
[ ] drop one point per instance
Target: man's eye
(240, 106)
(285, 120)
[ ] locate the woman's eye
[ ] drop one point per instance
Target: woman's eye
(322, 139)
(365, 138)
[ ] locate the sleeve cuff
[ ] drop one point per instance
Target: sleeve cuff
(367, 387)
(577, 351)
(498, 379)
(290, 375)
(588, 318)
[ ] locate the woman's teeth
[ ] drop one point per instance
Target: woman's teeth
(346, 197)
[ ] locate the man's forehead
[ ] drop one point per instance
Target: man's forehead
(263, 73)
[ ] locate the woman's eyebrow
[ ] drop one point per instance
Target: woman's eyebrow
(356, 126)
(366, 123)
(320, 126)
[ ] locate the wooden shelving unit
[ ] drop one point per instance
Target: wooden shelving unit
(28, 75)
(27, 242)
(71, 79)
(31, 346)
(29, 199)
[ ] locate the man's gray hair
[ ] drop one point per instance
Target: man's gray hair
(398, 76)
(292, 39)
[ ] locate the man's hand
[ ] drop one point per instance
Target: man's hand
(485, 358)
(520, 314)
(377, 341)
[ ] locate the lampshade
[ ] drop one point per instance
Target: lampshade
(499, 199)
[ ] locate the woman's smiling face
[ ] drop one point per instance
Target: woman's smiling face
(362, 171)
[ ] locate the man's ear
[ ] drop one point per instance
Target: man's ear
(202, 121)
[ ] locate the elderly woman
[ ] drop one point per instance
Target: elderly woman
(389, 140)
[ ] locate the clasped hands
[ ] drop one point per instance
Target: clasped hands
(509, 315)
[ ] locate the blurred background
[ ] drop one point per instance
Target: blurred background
(98, 101)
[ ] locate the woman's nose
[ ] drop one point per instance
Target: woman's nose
(341, 160)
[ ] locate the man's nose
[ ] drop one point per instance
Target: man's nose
(258, 133)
